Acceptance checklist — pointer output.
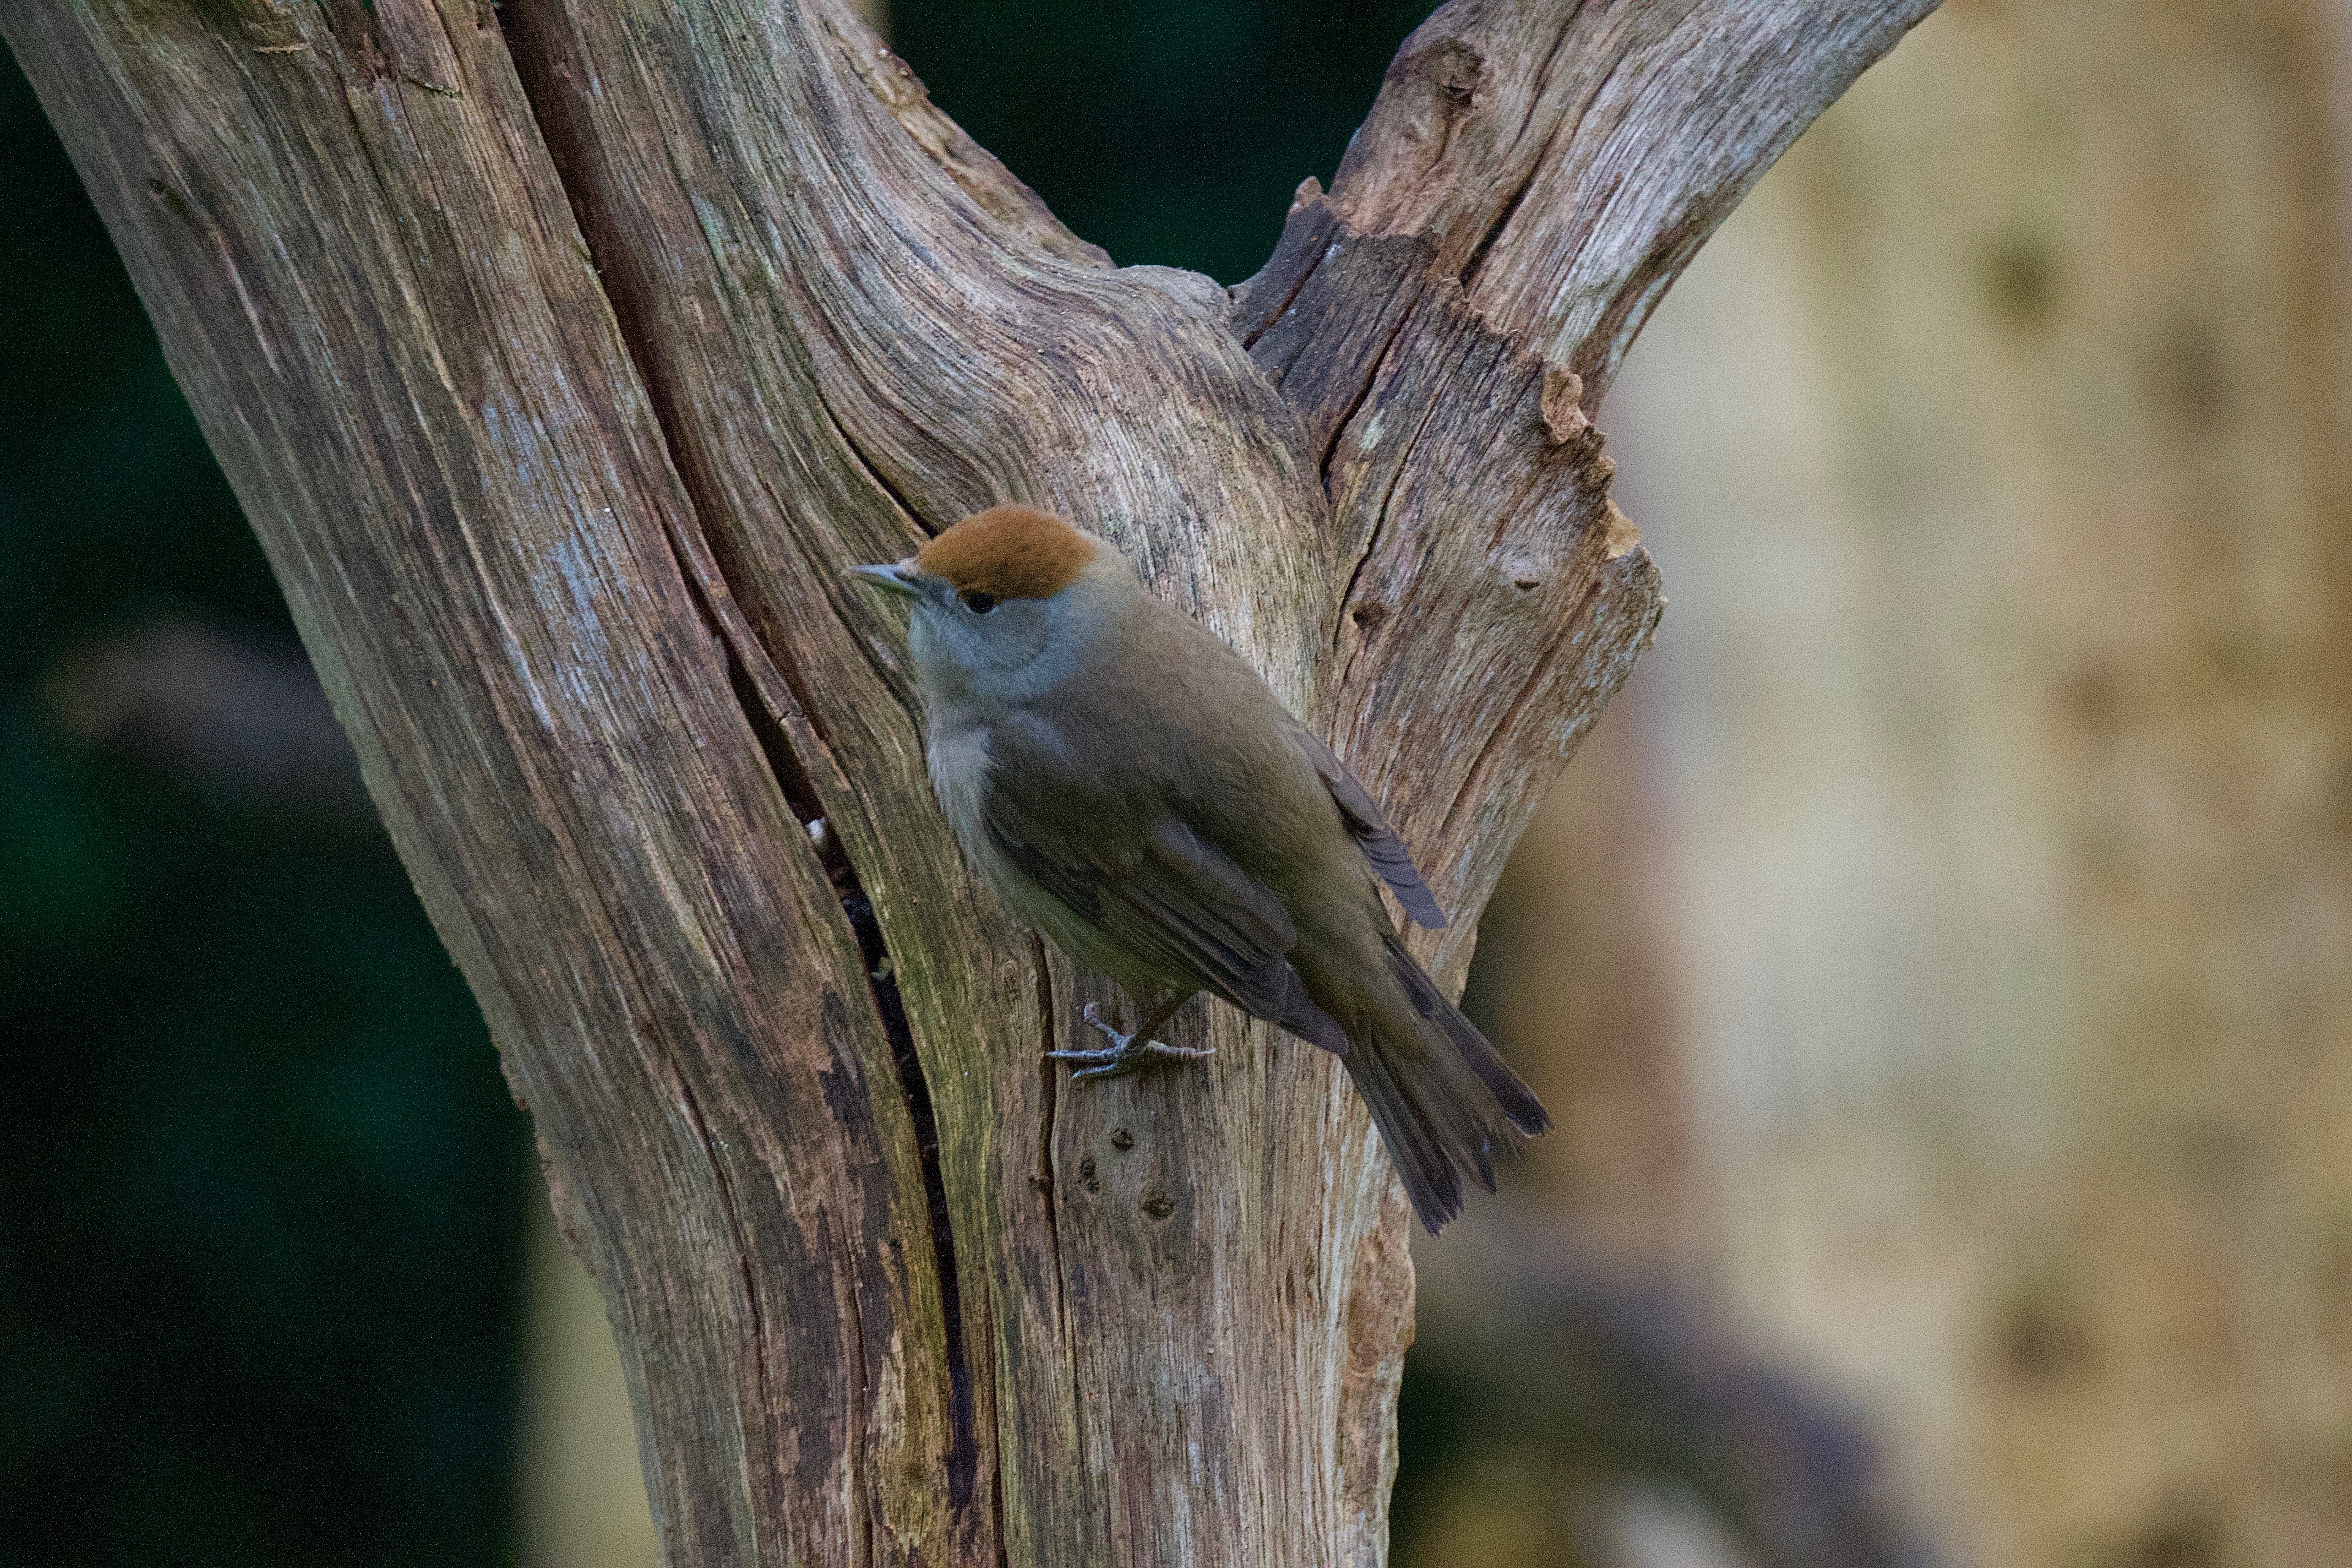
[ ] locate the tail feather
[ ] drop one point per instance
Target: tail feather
(1446, 1102)
(1518, 1100)
(1431, 1176)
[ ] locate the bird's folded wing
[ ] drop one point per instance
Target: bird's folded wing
(1154, 887)
(1370, 828)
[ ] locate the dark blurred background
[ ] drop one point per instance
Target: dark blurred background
(1939, 960)
(260, 1184)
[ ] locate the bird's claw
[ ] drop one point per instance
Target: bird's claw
(1125, 1054)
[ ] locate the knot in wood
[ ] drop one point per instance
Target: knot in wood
(1455, 68)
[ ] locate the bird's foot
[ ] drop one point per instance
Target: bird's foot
(1125, 1054)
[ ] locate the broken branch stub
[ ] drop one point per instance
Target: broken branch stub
(563, 353)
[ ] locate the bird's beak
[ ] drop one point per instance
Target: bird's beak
(896, 578)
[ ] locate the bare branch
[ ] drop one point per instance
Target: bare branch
(1534, 174)
(1564, 161)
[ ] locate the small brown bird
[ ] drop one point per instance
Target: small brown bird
(1133, 790)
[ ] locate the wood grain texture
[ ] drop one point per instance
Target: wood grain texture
(565, 353)
(368, 280)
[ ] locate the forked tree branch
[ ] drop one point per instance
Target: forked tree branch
(563, 354)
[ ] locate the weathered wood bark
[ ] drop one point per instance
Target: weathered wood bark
(564, 354)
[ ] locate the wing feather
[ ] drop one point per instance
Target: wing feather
(1164, 892)
(1370, 826)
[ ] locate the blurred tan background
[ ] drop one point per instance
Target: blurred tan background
(1940, 958)
(1945, 946)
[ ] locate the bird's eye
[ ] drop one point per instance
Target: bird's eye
(978, 603)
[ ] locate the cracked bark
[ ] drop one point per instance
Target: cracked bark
(563, 354)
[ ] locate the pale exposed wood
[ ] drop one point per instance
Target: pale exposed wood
(563, 511)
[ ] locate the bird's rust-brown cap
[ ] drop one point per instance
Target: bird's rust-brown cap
(1008, 553)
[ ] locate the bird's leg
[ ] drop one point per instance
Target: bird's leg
(1131, 1053)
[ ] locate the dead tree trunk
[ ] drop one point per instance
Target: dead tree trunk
(563, 353)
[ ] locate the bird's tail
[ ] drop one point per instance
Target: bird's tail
(1445, 1100)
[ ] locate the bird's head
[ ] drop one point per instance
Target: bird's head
(1007, 602)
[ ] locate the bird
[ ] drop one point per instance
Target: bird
(1131, 788)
